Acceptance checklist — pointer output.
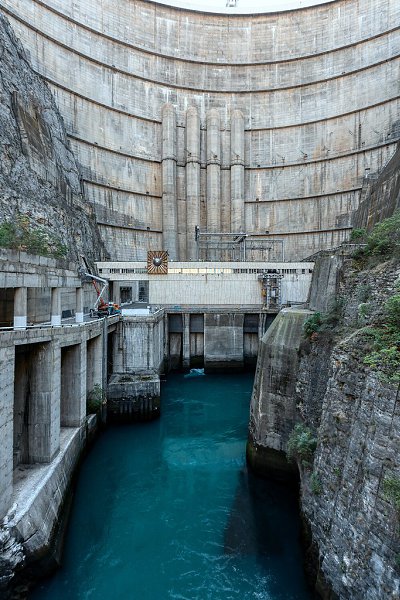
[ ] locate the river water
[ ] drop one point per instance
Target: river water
(167, 509)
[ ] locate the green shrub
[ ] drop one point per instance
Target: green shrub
(312, 324)
(391, 491)
(301, 444)
(358, 235)
(384, 239)
(95, 399)
(22, 235)
(316, 484)
(384, 354)
(392, 311)
(324, 322)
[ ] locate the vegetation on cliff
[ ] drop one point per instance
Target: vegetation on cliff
(376, 323)
(20, 234)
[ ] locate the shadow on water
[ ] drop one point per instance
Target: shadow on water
(264, 523)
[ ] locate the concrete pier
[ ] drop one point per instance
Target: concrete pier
(169, 193)
(20, 307)
(56, 307)
(237, 172)
(79, 306)
(192, 179)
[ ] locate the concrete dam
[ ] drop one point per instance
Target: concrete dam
(210, 167)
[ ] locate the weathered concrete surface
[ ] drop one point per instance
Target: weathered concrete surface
(325, 283)
(39, 177)
(133, 396)
(27, 531)
(318, 89)
(139, 344)
(223, 341)
(273, 408)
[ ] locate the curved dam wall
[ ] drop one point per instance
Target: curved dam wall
(262, 123)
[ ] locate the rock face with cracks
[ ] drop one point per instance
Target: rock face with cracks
(39, 178)
(354, 412)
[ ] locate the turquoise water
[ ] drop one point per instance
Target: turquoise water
(167, 510)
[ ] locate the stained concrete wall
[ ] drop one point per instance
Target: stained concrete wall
(140, 344)
(318, 89)
(223, 341)
(201, 283)
(272, 408)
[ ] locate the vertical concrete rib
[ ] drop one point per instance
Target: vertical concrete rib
(20, 307)
(192, 179)
(237, 171)
(169, 196)
(213, 172)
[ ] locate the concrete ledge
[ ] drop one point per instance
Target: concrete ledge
(28, 531)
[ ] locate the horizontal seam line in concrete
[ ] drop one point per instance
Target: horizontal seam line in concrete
(313, 196)
(176, 86)
(118, 189)
(311, 232)
(248, 167)
(112, 150)
(96, 102)
(323, 159)
(188, 60)
(130, 227)
(158, 122)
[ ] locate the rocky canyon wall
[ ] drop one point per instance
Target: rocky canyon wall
(40, 184)
(344, 400)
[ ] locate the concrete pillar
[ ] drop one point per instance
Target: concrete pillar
(73, 385)
(213, 174)
(44, 403)
(192, 179)
(169, 193)
(237, 171)
(55, 306)
(94, 363)
(7, 361)
(79, 305)
(116, 292)
(186, 340)
(20, 307)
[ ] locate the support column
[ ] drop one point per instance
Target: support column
(73, 385)
(237, 172)
(44, 406)
(20, 307)
(192, 180)
(116, 292)
(186, 340)
(169, 195)
(55, 306)
(94, 363)
(213, 175)
(7, 362)
(79, 305)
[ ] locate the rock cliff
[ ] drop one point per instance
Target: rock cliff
(344, 397)
(40, 186)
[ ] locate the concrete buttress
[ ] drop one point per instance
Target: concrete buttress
(192, 179)
(237, 171)
(213, 172)
(169, 199)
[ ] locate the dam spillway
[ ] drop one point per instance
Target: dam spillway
(167, 509)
